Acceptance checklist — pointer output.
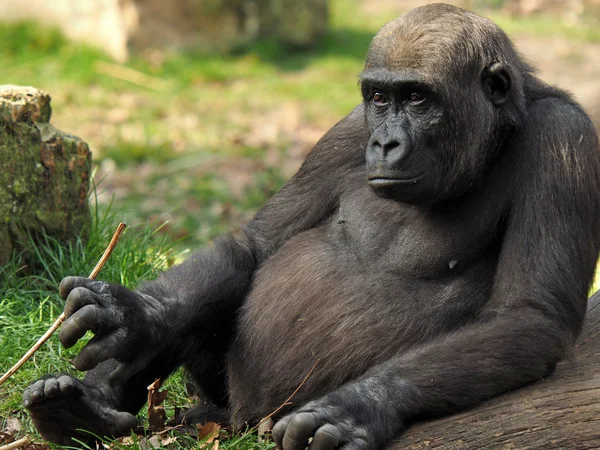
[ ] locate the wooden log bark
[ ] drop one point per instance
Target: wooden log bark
(560, 412)
(44, 173)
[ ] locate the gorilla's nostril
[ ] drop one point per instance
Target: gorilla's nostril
(388, 146)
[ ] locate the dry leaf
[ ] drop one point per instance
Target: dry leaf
(209, 432)
(12, 425)
(156, 413)
(153, 442)
(145, 443)
(156, 397)
(126, 440)
(168, 440)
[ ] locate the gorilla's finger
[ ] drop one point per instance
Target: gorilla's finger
(51, 387)
(326, 438)
(300, 429)
(73, 329)
(120, 422)
(69, 283)
(279, 430)
(78, 298)
(95, 352)
(126, 370)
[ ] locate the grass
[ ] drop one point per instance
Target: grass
(247, 441)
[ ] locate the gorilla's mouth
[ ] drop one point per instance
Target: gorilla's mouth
(377, 181)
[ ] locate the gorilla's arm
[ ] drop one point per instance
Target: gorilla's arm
(200, 297)
(543, 277)
(535, 312)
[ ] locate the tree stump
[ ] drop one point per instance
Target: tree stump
(560, 412)
(45, 174)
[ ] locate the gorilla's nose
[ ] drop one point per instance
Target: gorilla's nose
(388, 151)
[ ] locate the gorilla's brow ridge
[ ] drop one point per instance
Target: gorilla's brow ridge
(385, 76)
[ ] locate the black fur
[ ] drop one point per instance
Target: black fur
(450, 266)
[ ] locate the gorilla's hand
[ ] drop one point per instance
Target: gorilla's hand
(333, 423)
(129, 327)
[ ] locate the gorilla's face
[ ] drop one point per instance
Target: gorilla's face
(435, 109)
(404, 115)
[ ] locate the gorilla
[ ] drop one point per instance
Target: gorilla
(434, 250)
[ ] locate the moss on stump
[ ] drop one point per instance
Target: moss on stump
(44, 172)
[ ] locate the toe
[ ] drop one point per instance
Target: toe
(66, 384)
(36, 392)
(117, 423)
(124, 423)
(51, 387)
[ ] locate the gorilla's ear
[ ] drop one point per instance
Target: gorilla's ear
(496, 83)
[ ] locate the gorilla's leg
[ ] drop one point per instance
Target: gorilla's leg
(207, 368)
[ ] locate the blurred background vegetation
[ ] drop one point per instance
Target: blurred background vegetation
(189, 143)
(202, 139)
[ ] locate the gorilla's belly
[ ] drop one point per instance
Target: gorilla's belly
(308, 305)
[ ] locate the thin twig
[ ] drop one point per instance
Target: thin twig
(111, 246)
(17, 444)
(61, 318)
(287, 400)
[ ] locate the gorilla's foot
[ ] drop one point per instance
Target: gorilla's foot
(63, 408)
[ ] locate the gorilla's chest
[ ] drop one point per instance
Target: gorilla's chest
(384, 235)
(377, 278)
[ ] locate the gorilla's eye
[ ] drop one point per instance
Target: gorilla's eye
(416, 98)
(379, 98)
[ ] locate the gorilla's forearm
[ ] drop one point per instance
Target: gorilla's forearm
(447, 375)
(206, 290)
(475, 363)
